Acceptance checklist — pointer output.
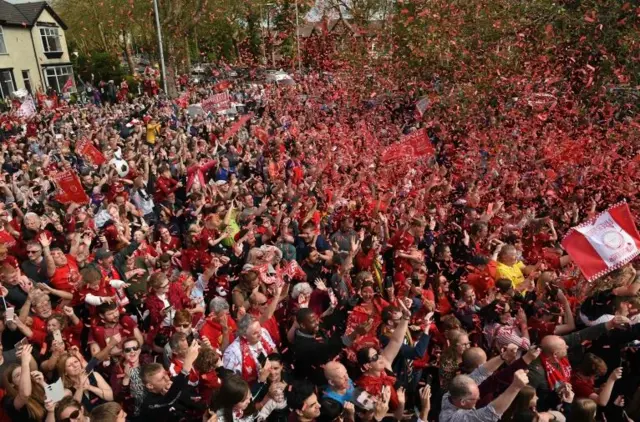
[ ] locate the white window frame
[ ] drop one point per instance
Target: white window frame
(3, 94)
(3, 43)
(61, 73)
(45, 33)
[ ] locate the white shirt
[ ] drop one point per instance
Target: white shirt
(168, 317)
(232, 358)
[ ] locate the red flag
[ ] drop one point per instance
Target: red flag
(68, 85)
(261, 134)
(412, 146)
(603, 243)
(88, 151)
(236, 126)
(222, 86)
(69, 188)
(216, 102)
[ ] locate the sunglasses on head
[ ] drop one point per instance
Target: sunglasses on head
(131, 349)
(74, 415)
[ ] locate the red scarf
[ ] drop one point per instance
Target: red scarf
(373, 385)
(556, 375)
(249, 364)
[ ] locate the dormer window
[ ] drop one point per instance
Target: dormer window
(51, 40)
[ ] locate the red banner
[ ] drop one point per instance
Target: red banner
(261, 134)
(88, 151)
(603, 243)
(410, 147)
(216, 102)
(69, 188)
(236, 126)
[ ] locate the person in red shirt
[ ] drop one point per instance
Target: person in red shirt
(165, 185)
(402, 243)
(219, 327)
(64, 275)
(167, 243)
(103, 342)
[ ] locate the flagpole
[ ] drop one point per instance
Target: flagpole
(164, 72)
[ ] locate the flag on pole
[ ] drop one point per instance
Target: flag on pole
(422, 104)
(603, 243)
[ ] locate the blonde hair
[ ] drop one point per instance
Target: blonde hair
(61, 367)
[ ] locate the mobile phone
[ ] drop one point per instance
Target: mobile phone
(22, 343)
(57, 336)
(93, 363)
(262, 358)
(10, 314)
(429, 379)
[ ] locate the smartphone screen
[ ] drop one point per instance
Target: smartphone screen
(10, 314)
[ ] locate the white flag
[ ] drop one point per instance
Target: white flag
(27, 109)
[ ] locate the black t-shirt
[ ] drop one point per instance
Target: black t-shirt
(36, 272)
(602, 303)
(15, 414)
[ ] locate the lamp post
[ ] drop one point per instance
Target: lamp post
(162, 68)
(298, 38)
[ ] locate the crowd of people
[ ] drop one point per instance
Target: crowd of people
(277, 270)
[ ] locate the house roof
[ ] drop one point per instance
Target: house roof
(26, 14)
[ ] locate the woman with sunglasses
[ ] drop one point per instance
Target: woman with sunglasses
(127, 385)
(69, 410)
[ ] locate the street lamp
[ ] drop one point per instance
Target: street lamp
(162, 67)
(298, 38)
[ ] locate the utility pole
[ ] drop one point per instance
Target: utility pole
(162, 68)
(298, 39)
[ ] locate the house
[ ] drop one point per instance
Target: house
(33, 49)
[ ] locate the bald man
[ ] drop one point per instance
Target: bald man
(341, 387)
(552, 369)
(475, 357)
(459, 404)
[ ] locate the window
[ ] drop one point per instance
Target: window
(3, 46)
(57, 77)
(50, 40)
(27, 81)
(7, 86)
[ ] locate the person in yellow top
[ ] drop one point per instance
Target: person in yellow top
(510, 268)
(153, 130)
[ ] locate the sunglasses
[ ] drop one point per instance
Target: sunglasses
(131, 349)
(74, 415)
(374, 358)
(32, 252)
(183, 325)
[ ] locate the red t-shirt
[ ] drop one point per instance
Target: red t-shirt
(583, 387)
(65, 276)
